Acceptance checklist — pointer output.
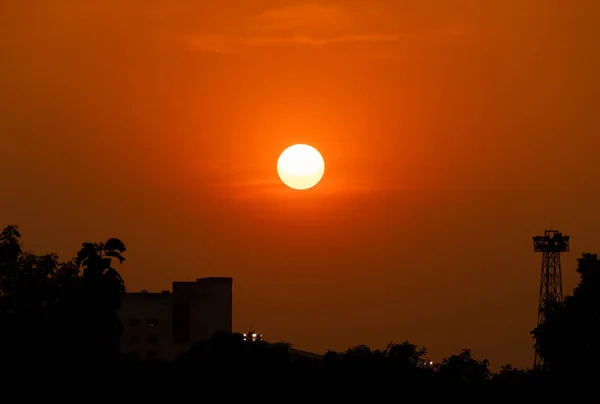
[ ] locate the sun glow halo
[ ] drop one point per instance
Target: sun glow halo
(300, 166)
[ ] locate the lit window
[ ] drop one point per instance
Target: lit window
(152, 322)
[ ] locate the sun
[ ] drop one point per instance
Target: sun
(300, 166)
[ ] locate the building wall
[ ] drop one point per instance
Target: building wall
(147, 325)
(164, 325)
(213, 306)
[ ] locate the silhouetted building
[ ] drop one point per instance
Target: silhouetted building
(165, 325)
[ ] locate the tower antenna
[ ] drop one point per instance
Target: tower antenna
(551, 244)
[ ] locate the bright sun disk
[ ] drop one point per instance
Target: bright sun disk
(300, 166)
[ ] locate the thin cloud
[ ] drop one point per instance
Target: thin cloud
(223, 44)
(309, 24)
(312, 24)
(308, 17)
(316, 41)
(253, 184)
(329, 186)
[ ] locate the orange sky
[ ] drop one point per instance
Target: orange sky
(453, 131)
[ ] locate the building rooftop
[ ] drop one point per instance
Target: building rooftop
(178, 285)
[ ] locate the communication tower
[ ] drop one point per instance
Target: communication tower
(551, 244)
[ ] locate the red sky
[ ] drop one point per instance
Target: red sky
(453, 132)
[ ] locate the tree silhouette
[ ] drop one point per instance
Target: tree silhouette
(51, 310)
(405, 361)
(464, 368)
(407, 355)
(28, 296)
(510, 376)
(10, 252)
(230, 356)
(569, 339)
(93, 292)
